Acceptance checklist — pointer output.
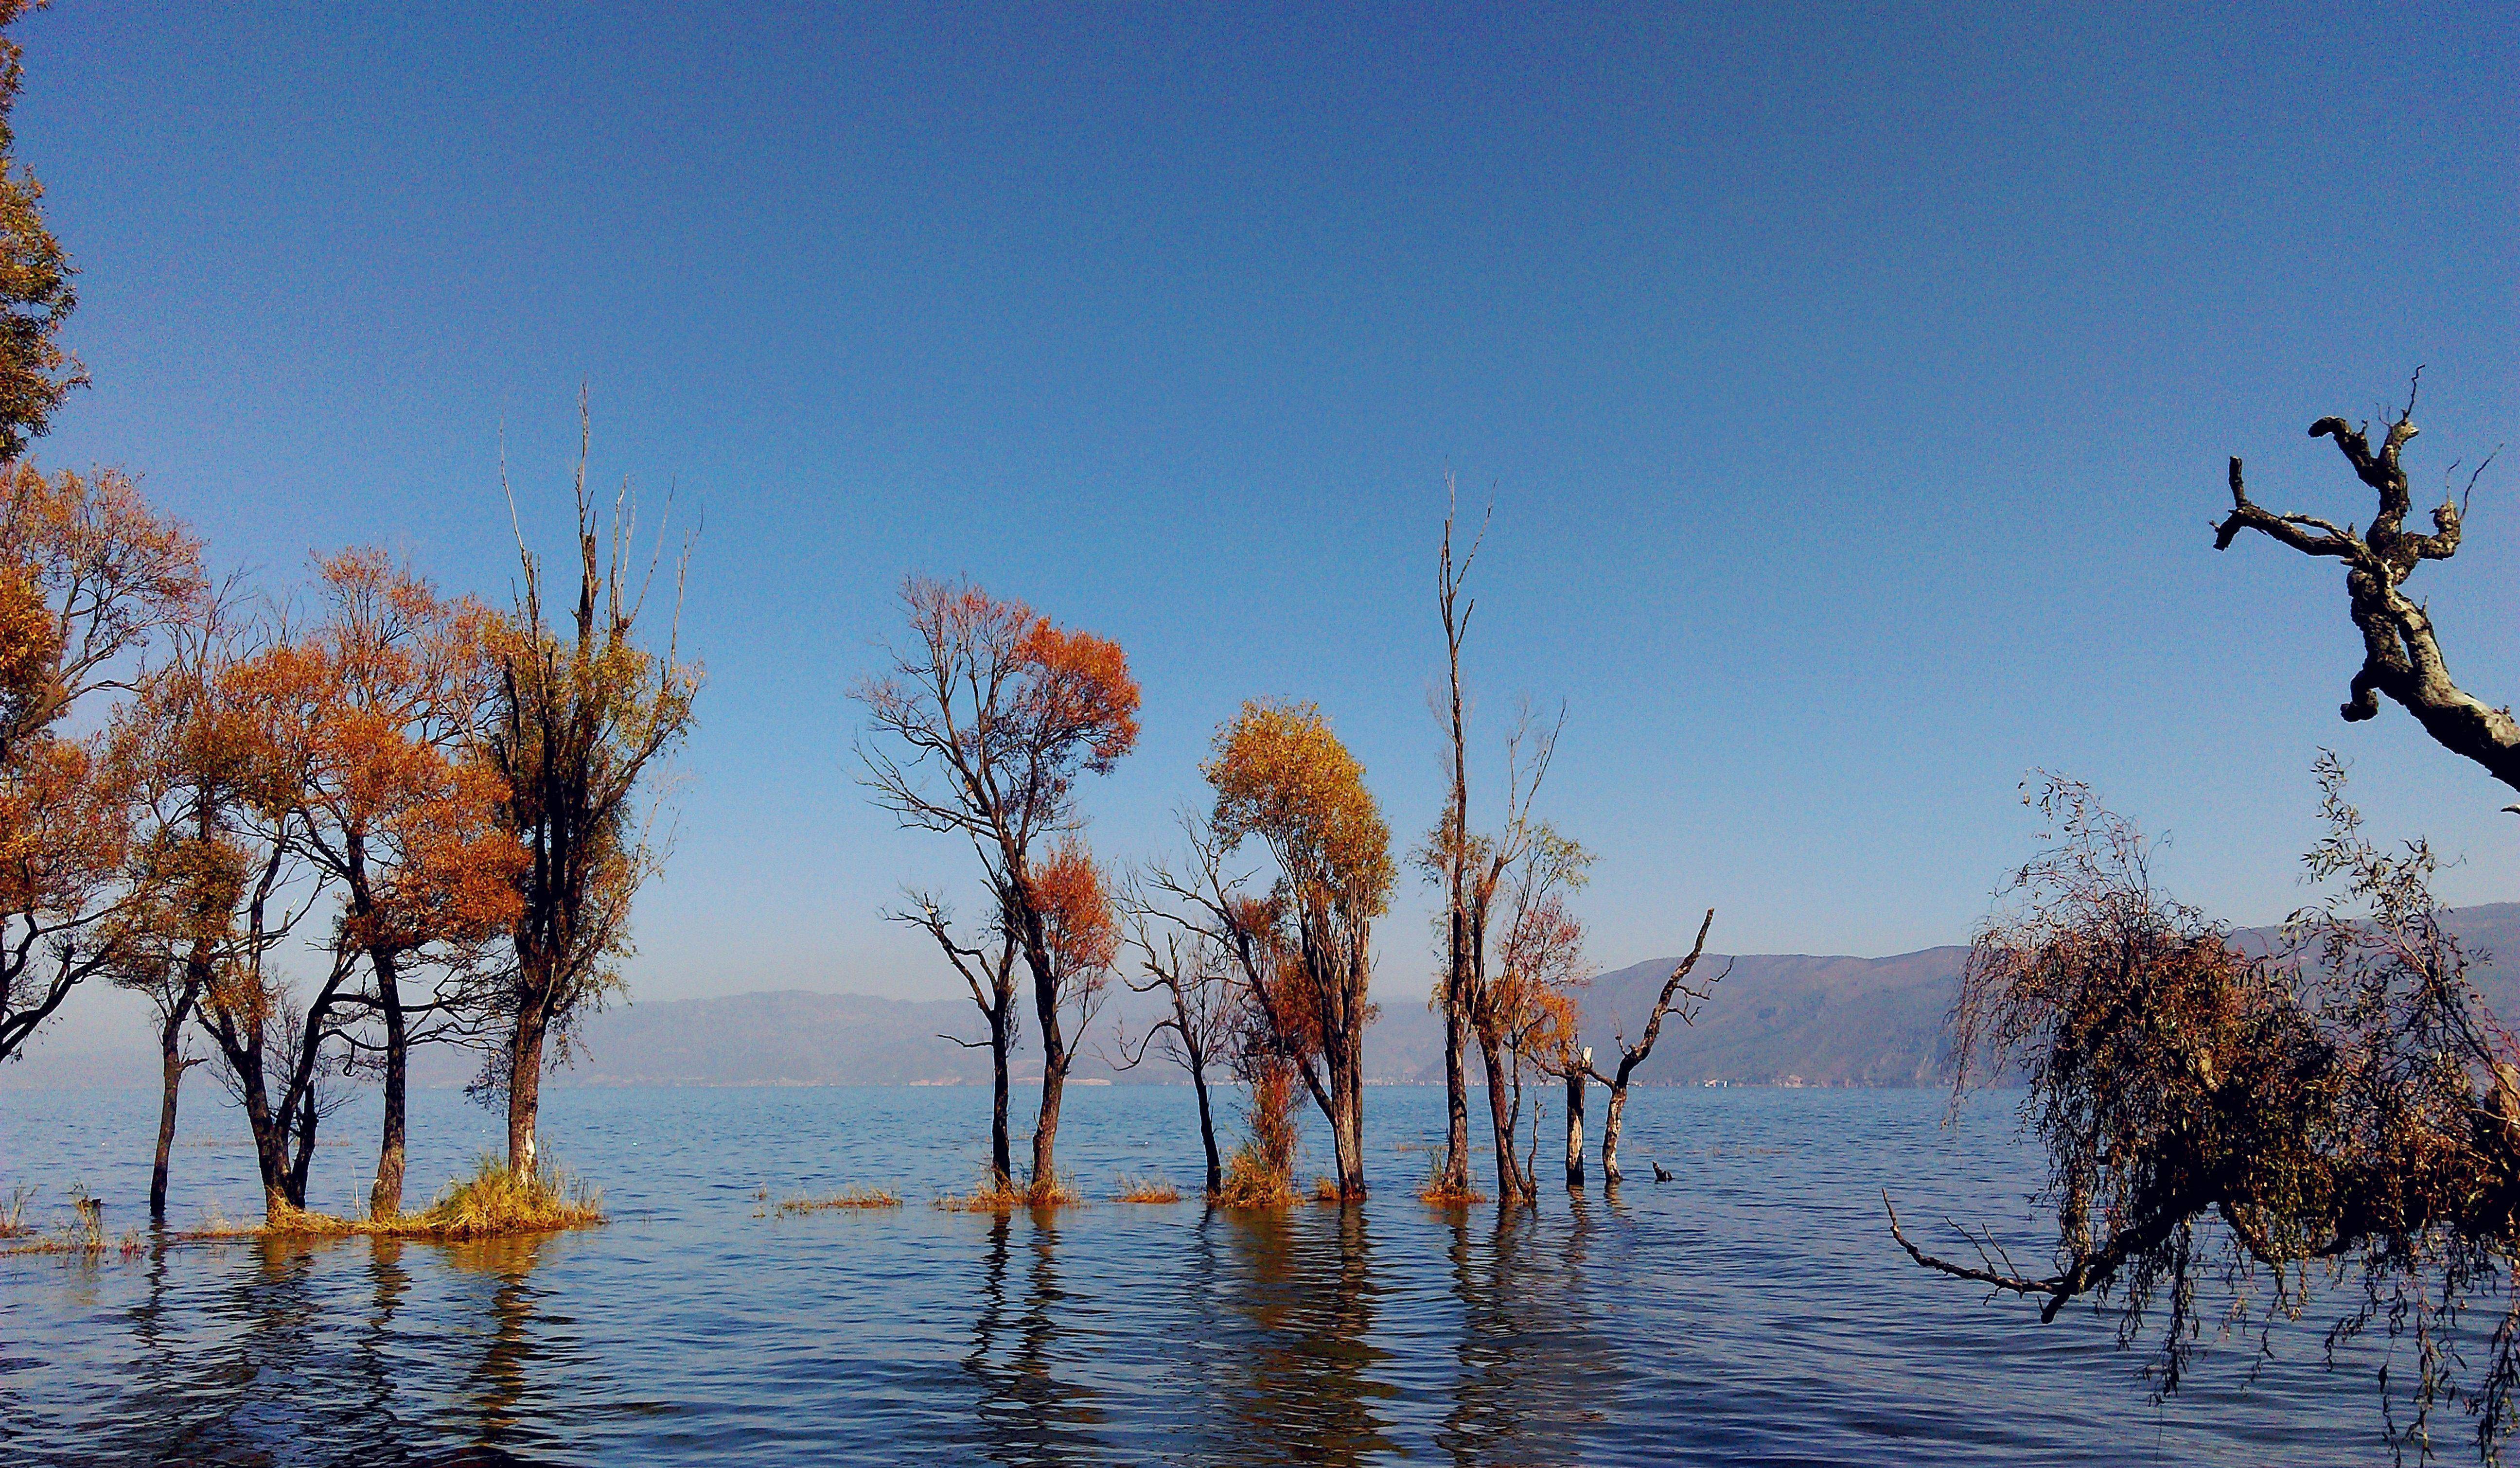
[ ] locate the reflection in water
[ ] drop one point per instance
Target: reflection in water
(498, 1385)
(1531, 1369)
(1305, 1297)
(1025, 1413)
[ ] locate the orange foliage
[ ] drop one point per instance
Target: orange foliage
(1281, 774)
(1078, 922)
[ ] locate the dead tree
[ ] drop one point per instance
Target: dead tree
(992, 981)
(1690, 997)
(2401, 657)
(1196, 975)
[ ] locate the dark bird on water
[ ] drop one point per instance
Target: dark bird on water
(1660, 1175)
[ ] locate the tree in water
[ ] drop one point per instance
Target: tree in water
(1305, 952)
(581, 712)
(1007, 711)
(2401, 655)
(400, 810)
(2345, 1107)
(1186, 961)
(1679, 997)
(182, 750)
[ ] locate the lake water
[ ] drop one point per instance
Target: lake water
(1753, 1311)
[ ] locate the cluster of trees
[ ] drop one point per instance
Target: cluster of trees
(201, 785)
(1259, 933)
(2343, 1106)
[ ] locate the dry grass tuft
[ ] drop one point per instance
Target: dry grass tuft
(491, 1203)
(1436, 1195)
(1145, 1190)
(82, 1237)
(1326, 1189)
(1250, 1182)
(995, 1195)
(853, 1197)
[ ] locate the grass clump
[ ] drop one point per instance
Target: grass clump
(492, 1202)
(853, 1197)
(1147, 1190)
(1251, 1181)
(999, 1195)
(83, 1236)
(1326, 1189)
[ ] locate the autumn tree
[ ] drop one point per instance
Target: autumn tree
(1524, 1014)
(183, 755)
(2217, 1118)
(242, 764)
(981, 729)
(2401, 653)
(401, 806)
(90, 579)
(35, 292)
(1680, 996)
(581, 713)
(1284, 778)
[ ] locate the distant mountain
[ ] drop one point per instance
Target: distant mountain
(1776, 1019)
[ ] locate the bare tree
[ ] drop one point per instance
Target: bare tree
(1182, 957)
(1690, 998)
(2402, 655)
(992, 981)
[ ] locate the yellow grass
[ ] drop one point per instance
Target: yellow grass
(853, 1197)
(1145, 1190)
(1326, 1190)
(997, 1195)
(13, 1215)
(491, 1203)
(1436, 1194)
(1250, 1182)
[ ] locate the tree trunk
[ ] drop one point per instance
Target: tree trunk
(1574, 1129)
(172, 1065)
(1002, 1165)
(1045, 1135)
(1610, 1118)
(384, 1200)
(1501, 1121)
(1456, 1096)
(526, 1086)
(1206, 1124)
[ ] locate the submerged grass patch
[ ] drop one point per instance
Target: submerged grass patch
(853, 1197)
(998, 1195)
(1250, 1182)
(492, 1202)
(1145, 1190)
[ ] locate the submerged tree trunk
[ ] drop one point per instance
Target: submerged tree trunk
(384, 1200)
(1045, 1136)
(1501, 1120)
(1002, 1166)
(1575, 1123)
(1610, 1118)
(171, 1068)
(1457, 1098)
(525, 1084)
(1206, 1123)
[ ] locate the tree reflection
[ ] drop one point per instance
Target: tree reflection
(1529, 1366)
(1026, 1414)
(1305, 1297)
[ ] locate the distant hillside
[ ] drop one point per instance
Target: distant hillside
(1776, 1019)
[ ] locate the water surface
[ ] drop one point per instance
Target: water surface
(1753, 1311)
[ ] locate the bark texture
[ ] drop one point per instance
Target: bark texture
(2401, 655)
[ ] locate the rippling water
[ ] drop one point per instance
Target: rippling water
(1754, 1311)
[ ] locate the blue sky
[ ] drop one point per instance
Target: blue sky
(1852, 389)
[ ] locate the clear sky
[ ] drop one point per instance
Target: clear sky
(1853, 388)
